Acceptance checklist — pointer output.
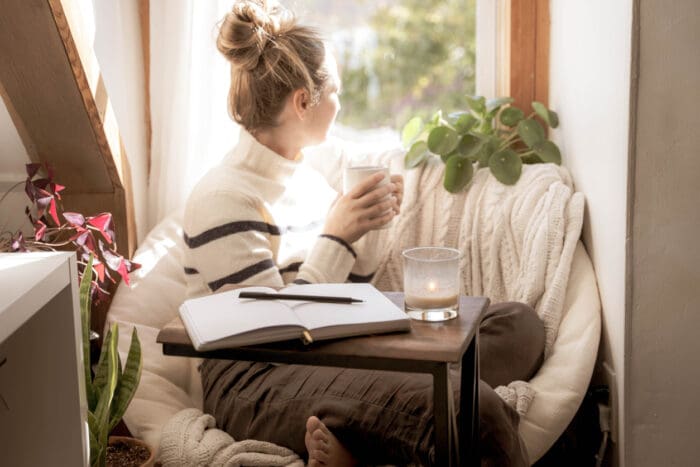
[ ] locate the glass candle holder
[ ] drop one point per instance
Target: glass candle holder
(431, 283)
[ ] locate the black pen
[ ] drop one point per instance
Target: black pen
(305, 298)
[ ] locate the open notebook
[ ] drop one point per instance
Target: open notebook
(223, 320)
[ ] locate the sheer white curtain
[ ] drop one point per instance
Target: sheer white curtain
(189, 85)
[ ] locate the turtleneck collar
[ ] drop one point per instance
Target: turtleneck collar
(272, 169)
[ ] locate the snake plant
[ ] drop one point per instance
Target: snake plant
(112, 387)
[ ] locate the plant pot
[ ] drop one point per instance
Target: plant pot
(123, 456)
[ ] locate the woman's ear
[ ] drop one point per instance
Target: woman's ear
(300, 102)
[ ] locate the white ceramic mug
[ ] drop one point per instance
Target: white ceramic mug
(354, 175)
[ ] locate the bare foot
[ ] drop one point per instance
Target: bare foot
(324, 448)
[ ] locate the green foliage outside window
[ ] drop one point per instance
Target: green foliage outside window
(423, 60)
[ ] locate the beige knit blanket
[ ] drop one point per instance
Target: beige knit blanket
(190, 439)
(517, 241)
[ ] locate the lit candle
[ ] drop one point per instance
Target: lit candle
(431, 298)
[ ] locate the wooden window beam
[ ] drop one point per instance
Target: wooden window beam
(528, 58)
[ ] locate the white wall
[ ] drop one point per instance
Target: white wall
(13, 157)
(664, 375)
(589, 88)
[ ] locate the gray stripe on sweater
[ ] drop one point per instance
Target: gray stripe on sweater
(240, 276)
(230, 228)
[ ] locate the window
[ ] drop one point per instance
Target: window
(397, 58)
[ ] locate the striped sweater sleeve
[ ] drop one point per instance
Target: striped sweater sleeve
(230, 242)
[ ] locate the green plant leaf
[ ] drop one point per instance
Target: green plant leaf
(548, 152)
(531, 132)
(128, 382)
(104, 403)
(96, 450)
(488, 147)
(468, 145)
(416, 155)
(102, 368)
(498, 102)
(436, 119)
(550, 117)
(411, 130)
(458, 172)
(442, 140)
(423, 136)
(511, 116)
(477, 104)
(531, 159)
(462, 121)
(446, 157)
(506, 166)
(85, 306)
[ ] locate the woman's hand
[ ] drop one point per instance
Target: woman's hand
(397, 180)
(364, 208)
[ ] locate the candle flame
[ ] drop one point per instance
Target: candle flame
(432, 286)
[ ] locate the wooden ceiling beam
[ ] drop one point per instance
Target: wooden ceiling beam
(51, 80)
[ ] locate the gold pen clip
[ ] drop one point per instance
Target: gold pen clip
(306, 337)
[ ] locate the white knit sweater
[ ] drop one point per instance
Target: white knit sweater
(233, 237)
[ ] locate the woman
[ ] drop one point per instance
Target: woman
(284, 94)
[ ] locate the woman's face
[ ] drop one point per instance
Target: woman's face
(323, 114)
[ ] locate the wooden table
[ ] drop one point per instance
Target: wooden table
(428, 348)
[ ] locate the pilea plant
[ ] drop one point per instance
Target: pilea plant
(490, 133)
(111, 389)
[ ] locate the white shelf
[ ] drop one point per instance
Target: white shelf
(27, 282)
(41, 378)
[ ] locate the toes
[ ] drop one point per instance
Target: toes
(319, 437)
(320, 456)
(313, 423)
(314, 463)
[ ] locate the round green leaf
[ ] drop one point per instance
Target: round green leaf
(468, 145)
(411, 130)
(458, 172)
(553, 119)
(506, 166)
(511, 116)
(488, 147)
(531, 132)
(548, 152)
(416, 155)
(550, 117)
(498, 102)
(442, 140)
(477, 104)
(531, 159)
(446, 157)
(464, 122)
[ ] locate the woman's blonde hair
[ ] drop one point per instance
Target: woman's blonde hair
(271, 55)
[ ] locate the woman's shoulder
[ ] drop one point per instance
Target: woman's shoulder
(220, 194)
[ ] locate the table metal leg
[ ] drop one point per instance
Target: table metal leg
(443, 425)
(469, 406)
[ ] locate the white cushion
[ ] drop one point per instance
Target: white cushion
(563, 379)
(170, 384)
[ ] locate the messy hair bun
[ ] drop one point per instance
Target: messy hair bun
(271, 55)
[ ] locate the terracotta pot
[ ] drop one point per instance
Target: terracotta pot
(128, 440)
